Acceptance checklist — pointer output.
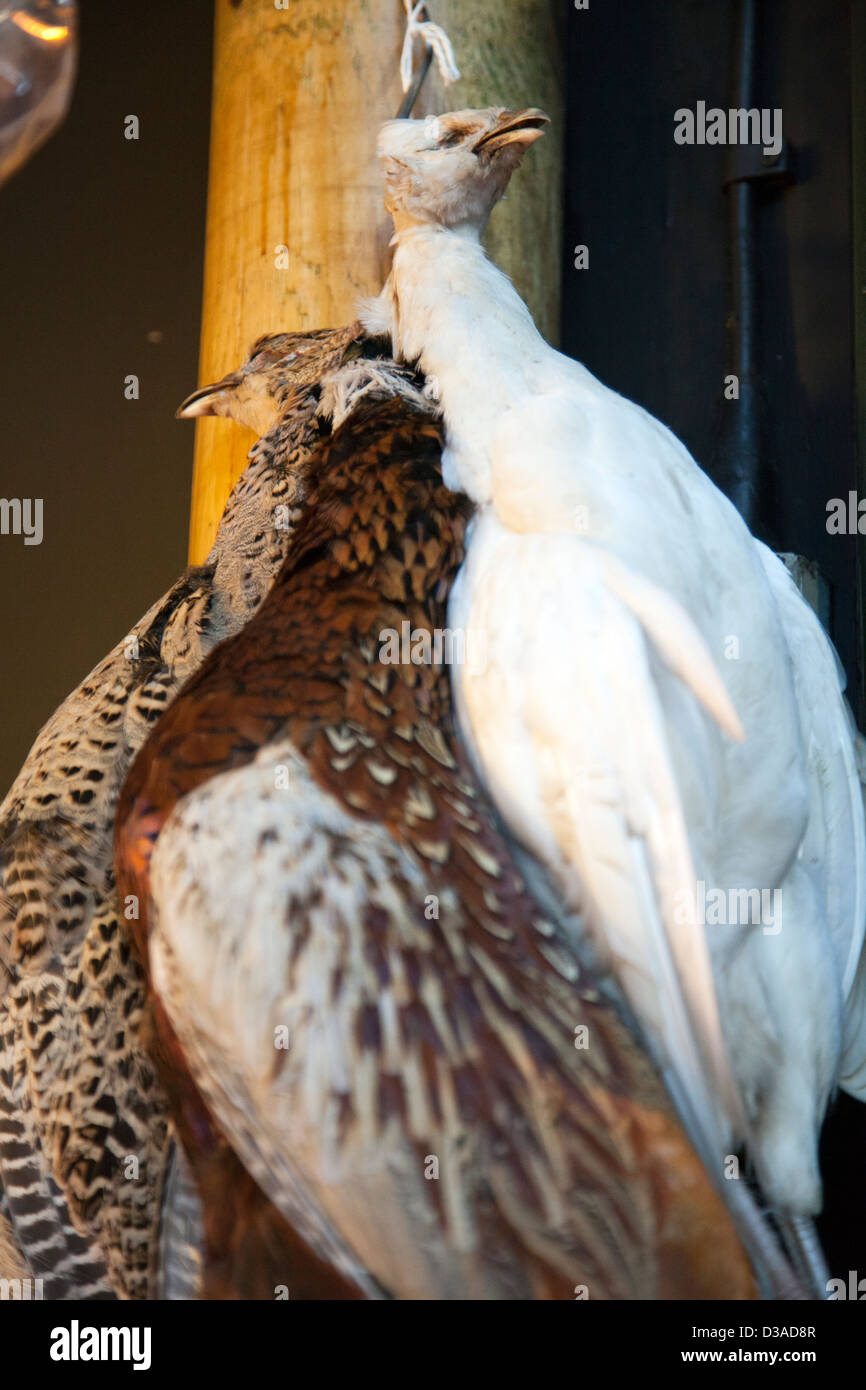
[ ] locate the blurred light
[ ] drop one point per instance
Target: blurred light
(48, 33)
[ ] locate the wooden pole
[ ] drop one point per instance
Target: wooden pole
(295, 226)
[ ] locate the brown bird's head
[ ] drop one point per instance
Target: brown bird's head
(451, 170)
(277, 367)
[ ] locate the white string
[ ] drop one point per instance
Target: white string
(435, 37)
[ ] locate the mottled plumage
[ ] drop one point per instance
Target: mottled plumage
(326, 862)
(78, 1094)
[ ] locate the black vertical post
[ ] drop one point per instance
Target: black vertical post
(743, 445)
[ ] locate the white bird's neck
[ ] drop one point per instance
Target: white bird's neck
(455, 313)
(444, 283)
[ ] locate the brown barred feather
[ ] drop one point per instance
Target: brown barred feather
(79, 1097)
(565, 1167)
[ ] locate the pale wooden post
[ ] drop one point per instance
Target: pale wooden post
(299, 91)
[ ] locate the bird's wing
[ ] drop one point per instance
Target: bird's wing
(256, 916)
(78, 1100)
(393, 1108)
(236, 864)
(33, 1045)
(835, 836)
(77, 1094)
(578, 649)
(835, 840)
(41, 1234)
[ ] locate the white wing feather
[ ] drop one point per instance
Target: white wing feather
(835, 837)
(566, 627)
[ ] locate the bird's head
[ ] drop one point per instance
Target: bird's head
(277, 368)
(451, 170)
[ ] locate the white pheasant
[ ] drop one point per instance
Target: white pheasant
(611, 584)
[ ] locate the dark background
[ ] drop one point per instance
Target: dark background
(101, 245)
(649, 318)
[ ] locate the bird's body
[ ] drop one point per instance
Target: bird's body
(650, 719)
(327, 868)
(84, 1136)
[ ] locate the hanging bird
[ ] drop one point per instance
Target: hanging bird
(83, 1121)
(356, 994)
(612, 584)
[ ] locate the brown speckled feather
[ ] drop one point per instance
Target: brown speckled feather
(79, 1098)
(376, 904)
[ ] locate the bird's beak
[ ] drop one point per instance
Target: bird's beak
(210, 400)
(513, 128)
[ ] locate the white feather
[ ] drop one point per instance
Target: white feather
(610, 584)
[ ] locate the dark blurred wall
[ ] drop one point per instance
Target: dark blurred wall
(649, 315)
(100, 246)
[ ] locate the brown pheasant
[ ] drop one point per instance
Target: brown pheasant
(357, 996)
(84, 1136)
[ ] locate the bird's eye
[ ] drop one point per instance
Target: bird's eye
(453, 139)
